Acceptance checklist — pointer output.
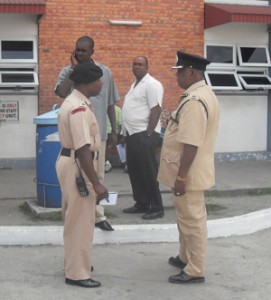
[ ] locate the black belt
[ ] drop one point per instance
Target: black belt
(68, 152)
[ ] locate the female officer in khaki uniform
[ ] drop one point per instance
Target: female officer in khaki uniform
(187, 164)
(79, 138)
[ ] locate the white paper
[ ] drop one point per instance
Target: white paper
(112, 199)
(122, 152)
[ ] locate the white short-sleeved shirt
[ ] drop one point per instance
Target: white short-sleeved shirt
(138, 103)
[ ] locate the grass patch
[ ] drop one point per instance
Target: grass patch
(24, 208)
(260, 192)
(211, 208)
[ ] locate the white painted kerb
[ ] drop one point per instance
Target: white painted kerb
(150, 233)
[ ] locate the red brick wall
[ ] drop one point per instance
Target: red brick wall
(168, 25)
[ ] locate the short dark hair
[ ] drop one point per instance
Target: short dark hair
(145, 58)
(86, 39)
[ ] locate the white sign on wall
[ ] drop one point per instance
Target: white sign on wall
(9, 111)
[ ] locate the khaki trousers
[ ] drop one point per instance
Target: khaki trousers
(192, 225)
(79, 221)
(99, 212)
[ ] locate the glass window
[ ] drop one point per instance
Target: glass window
(253, 56)
(220, 55)
(222, 80)
(255, 81)
(18, 78)
(230, 63)
(17, 50)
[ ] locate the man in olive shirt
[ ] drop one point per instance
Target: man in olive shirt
(104, 105)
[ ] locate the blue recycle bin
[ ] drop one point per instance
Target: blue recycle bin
(47, 150)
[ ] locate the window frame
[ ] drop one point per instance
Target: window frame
(216, 64)
(18, 84)
(16, 39)
(235, 88)
(254, 86)
(240, 58)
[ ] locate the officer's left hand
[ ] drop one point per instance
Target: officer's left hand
(101, 191)
(179, 188)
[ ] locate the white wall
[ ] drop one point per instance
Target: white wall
(243, 123)
(18, 139)
(18, 24)
(248, 33)
(239, 2)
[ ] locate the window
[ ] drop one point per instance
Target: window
(237, 67)
(221, 55)
(254, 82)
(222, 80)
(17, 50)
(18, 78)
(253, 56)
(18, 65)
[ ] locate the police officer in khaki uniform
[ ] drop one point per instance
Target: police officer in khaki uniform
(187, 164)
(80, 139)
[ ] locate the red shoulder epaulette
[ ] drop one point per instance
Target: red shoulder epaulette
(78, 109)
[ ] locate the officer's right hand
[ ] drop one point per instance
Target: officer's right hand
(101, 191)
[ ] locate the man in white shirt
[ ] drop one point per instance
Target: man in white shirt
(141, 126)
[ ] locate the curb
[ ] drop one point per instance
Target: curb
(150, 233)
(214, 192)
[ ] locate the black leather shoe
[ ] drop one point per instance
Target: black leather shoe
(176, 262)
(134, 210)
(104, 225)
(87, 283)
(185, 278)
(153, 215)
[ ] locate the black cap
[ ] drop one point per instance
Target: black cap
(190, 60)
(86, 72)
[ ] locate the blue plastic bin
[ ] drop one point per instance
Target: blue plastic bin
(47, 150)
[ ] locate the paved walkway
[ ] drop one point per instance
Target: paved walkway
(235, 206)
(236, 265)
(236, 268)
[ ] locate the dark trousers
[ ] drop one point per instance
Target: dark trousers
(143, 168)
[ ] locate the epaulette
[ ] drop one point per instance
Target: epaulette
(82, 107)
(193, 97)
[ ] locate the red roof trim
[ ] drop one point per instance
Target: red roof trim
(22, 6)
(218, 14)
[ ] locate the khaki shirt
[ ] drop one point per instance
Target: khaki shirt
(194, 126)
(77, 125)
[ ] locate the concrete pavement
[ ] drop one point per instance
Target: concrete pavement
(237, 268)
(234, 207)
(231, 177)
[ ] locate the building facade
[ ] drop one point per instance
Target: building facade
(38, 36)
